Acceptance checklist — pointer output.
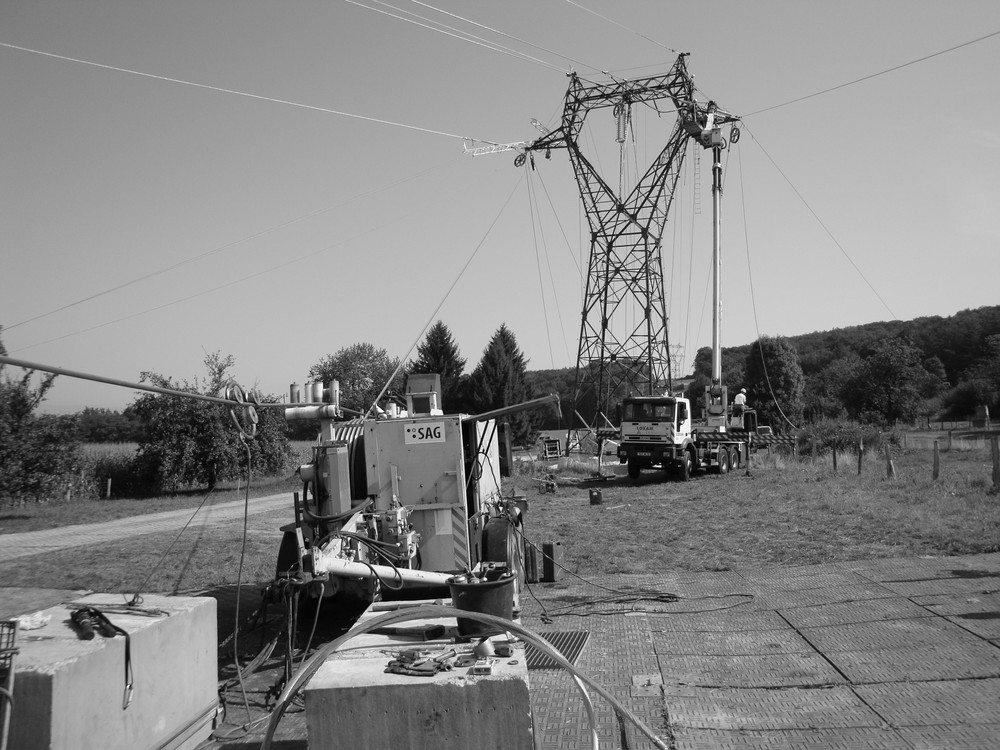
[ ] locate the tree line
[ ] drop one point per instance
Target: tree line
(184, 443)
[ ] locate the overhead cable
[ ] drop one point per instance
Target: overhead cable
(452, 32)
(820, 222)
(220, 248)
(622, 26)
(505, 34)
(235, 92)
(880, 73)
(433, 315)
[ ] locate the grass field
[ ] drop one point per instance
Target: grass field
(786, 512)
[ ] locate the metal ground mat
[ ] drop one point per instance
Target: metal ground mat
(569, 643)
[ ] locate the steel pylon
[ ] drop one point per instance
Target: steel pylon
(617, 356)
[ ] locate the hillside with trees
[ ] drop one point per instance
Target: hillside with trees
(882, 373)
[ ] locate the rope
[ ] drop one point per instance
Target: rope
(820, 222)
(538, 266)
(880, 73)
(444, 299)
(753, 299)
(622, 26)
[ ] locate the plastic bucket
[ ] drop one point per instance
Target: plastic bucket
(485, 597)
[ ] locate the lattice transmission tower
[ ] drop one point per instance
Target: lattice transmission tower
(624, 345)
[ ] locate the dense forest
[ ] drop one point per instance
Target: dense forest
(888, 372)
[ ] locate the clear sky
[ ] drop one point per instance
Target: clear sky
(193, 219)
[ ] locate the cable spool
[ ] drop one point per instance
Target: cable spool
(246, 423)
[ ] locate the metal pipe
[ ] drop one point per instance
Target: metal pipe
(339, 566)
(5, 360)
(513, 409)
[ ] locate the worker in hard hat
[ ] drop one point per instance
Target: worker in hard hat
(739, 406)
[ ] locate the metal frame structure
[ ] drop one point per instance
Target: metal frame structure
(625, 272)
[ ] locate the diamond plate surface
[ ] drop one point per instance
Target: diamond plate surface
(951, 585)
(778, 670)
(731, 643)
(845, 613)
(971, 660)
(799, 739)
(811, 597)
(953, 737)
(740, 619)
(755, 709)
(977, 613)
(926, 633)
(922, 704)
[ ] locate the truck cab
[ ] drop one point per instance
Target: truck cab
(659, 432)
(653, 430)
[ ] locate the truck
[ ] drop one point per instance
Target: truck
(660, 431)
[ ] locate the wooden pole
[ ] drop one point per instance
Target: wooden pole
(814, 449)
(890, 467)
(937, 460)
(835, 460)
(861, 454)
(108, 493)
(995, 450)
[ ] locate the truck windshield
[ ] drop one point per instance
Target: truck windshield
(648, 412)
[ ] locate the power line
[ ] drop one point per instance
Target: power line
(821, 223)
(880, 73)
(218, 249)
(452, 32)
(622, 26)
(505, 34)
(235, 92)
(228, 284)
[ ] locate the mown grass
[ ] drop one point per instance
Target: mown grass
(788, 511)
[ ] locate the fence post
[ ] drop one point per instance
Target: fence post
(995, 450)
(937, 460)
(890, 468)
(814, 449)
(834, 451)
(861, 454)
(949, 439)
(108, 494)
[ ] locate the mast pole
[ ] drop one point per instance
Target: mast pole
(716, 263)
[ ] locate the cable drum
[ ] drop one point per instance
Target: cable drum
(247, 420)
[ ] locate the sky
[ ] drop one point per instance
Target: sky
(285, 179)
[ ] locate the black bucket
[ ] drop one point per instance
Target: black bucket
(486, 597)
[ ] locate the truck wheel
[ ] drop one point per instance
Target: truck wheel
(633, 470)
(723, 460)
(686, 467)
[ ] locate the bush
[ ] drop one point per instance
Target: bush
(844, 437)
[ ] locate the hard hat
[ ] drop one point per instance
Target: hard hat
(743, 390)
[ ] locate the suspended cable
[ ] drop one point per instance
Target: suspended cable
(505, 34)
(622, 26)
(880, 73)
(820, 222)
(433, 315)
(452, 32)
(576, 261)
(226, 246)
(753, 299)
(228, 284)
(235, 92)
(538, 266)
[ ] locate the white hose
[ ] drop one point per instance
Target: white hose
(433, 611)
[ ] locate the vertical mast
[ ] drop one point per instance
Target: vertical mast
(716, 263)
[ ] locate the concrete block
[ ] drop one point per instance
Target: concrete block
(351, 702)
(68, 692)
